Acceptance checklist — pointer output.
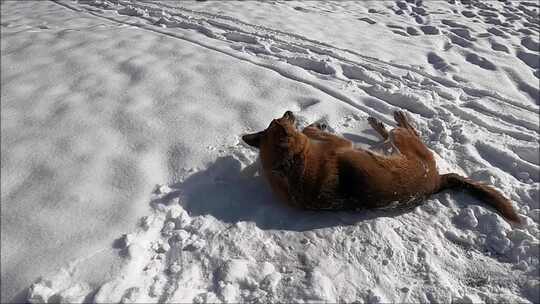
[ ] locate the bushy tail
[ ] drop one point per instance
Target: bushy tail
(483, 192)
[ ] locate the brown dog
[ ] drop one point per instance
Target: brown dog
(314, 169)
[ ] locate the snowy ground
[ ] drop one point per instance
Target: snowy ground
(102, 100)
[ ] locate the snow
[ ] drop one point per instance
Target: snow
(103, 100)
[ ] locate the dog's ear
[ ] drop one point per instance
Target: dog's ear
(253, 139)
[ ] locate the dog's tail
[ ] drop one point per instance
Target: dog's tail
(483, 192)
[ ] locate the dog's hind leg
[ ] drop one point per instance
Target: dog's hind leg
(401, 119)
(407, 141)
(404, 137)
(378, 126)
(386, 146)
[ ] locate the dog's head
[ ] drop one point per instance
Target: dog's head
(278, 144)
(279, 134)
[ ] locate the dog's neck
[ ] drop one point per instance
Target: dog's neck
(292, 157)
(295, 174)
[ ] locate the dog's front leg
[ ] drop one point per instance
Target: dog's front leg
(314, 131)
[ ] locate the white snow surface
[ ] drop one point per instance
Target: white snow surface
(124, 179)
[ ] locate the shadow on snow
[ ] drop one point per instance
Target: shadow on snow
(225, 192)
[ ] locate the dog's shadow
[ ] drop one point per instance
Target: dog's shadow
(227, 193)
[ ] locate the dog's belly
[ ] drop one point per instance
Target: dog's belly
(366, 180)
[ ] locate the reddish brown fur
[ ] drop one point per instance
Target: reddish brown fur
(314, 169)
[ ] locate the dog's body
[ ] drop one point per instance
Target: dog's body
(314, 169)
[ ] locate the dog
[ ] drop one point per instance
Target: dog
(317, 170)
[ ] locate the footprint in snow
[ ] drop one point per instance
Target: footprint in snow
(412, 31)
(463, 33)
(400, 33)
(497, 32)
(469, 14)
(480, 61)
(453, 24)
(366, 19)
(496, 46)
(455, 39)
(531, 44)
(530, 59)
(430, 30)
(393, 26)
(438, 62)
(302, 9)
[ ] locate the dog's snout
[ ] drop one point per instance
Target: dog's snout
(289, 116)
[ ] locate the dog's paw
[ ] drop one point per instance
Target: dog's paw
(319, 125)
(375, 123)
(400, 117)
(322, 126)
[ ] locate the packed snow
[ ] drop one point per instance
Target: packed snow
(124, 178)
